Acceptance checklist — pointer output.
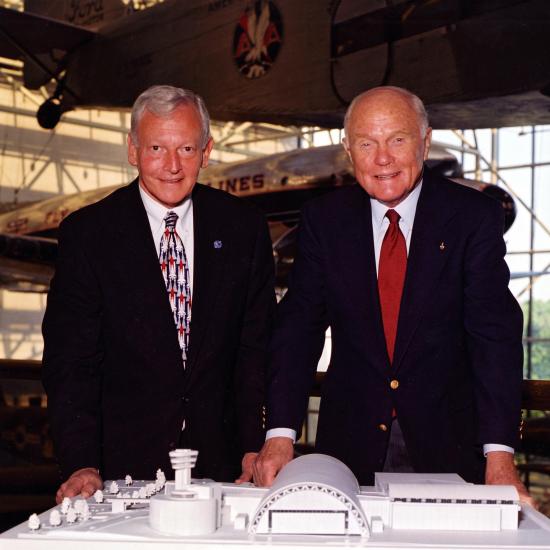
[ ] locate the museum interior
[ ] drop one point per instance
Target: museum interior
(47, 173)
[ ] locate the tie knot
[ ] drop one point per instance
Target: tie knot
(393, 216)
(170, 220)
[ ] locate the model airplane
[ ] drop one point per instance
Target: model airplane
(475, 64)
(278, 184)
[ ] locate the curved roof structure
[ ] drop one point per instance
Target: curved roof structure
(313, 494)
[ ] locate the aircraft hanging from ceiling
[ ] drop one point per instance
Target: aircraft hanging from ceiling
(476, 64)
(278, 184)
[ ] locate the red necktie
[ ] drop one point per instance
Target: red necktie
(391, 277)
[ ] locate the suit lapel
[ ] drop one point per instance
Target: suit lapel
(137, 245)
(356, 245)
(209, 259)
(431, 244)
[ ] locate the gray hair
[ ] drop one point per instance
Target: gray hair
(162, 101)
(414, 100)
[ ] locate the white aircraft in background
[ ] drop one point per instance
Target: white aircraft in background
(278, 184)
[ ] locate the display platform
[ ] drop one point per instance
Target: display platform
(315, 502)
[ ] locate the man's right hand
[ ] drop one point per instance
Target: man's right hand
(83, 482)
(276, 452)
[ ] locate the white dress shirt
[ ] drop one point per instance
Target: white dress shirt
(156, 213)
(406, 210)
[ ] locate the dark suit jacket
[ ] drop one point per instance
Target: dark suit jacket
(117, 391)
(458, 355)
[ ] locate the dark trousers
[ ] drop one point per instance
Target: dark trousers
(397, 457)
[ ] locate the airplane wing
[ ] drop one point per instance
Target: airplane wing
(23, 33)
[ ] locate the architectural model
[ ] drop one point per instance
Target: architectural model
(315, 500)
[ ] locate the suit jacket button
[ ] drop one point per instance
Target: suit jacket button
(394, 384)
(383, 427)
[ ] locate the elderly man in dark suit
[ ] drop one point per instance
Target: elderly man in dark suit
(157, 320)
(407, 269)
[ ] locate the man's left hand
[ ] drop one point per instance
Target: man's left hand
(501, 470)
(83, 482)
(246, 464)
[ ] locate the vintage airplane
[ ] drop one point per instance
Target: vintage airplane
(476, 64)
(278, 184)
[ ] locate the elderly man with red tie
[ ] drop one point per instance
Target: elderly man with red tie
(407, 269)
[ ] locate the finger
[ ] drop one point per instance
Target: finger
(88, 490)
(72, 487)
(269, 475)
(261, 469)
(244, 477)
(524, 496)
(257, 474)
(264, 474)
(246, 474)
(527, 499)
(61, 492)
(267, 479)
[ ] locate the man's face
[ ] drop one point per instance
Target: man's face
(385, 145)
(168, 154)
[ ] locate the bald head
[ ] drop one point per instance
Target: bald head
(387, 140)
(389, 93)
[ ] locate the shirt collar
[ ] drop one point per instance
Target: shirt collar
(157, 212)
(406, 209)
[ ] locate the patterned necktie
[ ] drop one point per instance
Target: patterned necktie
(175, 269)
(391, 277)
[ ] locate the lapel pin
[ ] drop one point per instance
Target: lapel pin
(218, 244)
(442, 246)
